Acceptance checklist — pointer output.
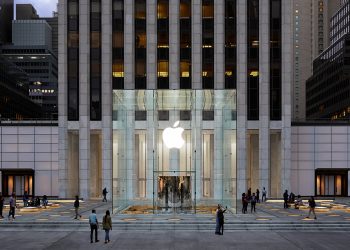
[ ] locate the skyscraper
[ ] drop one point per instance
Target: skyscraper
(311, 26)
(6, 17)
(128, 70)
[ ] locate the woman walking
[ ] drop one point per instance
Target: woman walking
(107, 225)
(312, 205)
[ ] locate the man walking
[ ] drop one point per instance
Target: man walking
(93, 225)
(76, 207)
(263, 198)
(104, 193)
(285, 198)
(12, 206)
(1, 205)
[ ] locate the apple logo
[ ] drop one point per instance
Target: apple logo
(172, 137)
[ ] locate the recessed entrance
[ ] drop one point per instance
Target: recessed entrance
(17, 181)
(331, 182)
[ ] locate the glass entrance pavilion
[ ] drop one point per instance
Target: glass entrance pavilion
(174, 150)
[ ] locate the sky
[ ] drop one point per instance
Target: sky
(43, 7)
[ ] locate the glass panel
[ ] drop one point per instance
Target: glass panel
(168, 165)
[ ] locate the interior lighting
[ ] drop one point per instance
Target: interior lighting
(254, 73)
(118, 74)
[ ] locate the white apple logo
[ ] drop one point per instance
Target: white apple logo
(172, 137)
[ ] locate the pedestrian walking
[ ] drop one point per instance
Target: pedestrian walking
(45, 201)
(312, 205)
(12, 206)
(93, 225)
(257, 195)
(25, 199)
(252, 203)
(76, 207)
(104, 193)
(107, 225)
(285, 198)
(2, 200)
(263, 198)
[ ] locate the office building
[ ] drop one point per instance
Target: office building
(6, 17)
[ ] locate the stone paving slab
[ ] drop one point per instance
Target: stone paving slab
(175, 240)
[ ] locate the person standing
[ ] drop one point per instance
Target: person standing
(93, 225)
(76, 207)
(263, 198)
(1, 205)
(12, 206)
(25, 199)
(220, 219)
(252, 203)
(104, 193)
(107, 225)
(312, 205)
(285, 198)
(257, 195)
(217, 226)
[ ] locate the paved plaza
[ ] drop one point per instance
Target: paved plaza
(271, 227)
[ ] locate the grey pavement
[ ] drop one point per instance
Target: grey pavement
(175, 240)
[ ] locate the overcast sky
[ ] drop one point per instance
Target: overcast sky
(43, 7)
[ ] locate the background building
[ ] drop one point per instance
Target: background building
(311, 36)
(32, 51)
(26, 12)
(328, 89)
(14, 101)
(6, 17)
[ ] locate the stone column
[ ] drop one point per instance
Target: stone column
(219, 41)
(196, 44)
(174, 44)
(287, 43)
(129, 45)
(107, 139)
(218, 148)
(241, 97)
(264, 95)
(62, 100)
(151, 28)
(84, 98)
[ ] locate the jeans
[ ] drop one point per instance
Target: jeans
(107, 235)
(12, 212)
(92, 229)
(77, 213)
(252, 204)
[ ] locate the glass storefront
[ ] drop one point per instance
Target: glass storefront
(173, 150)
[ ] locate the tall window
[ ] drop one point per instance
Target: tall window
(253, 59)
(95, 60)
(163, 44)
(118, 44)
(73, 60)
(275, 60)
(185, 44)
(230, 44)
(207, 44)
(140, 44)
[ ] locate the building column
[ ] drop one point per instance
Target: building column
(151, 33)
(62, 101)
(264, 95)
(174, 44)
(286, 93)
(241, 97)
(219, 41)
(129, 45)
(107, 96)
(84, 98)
(218, 148)
(196, 44)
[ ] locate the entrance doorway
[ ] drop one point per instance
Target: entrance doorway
(174, 192)
(17, 181)
(331, 182)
